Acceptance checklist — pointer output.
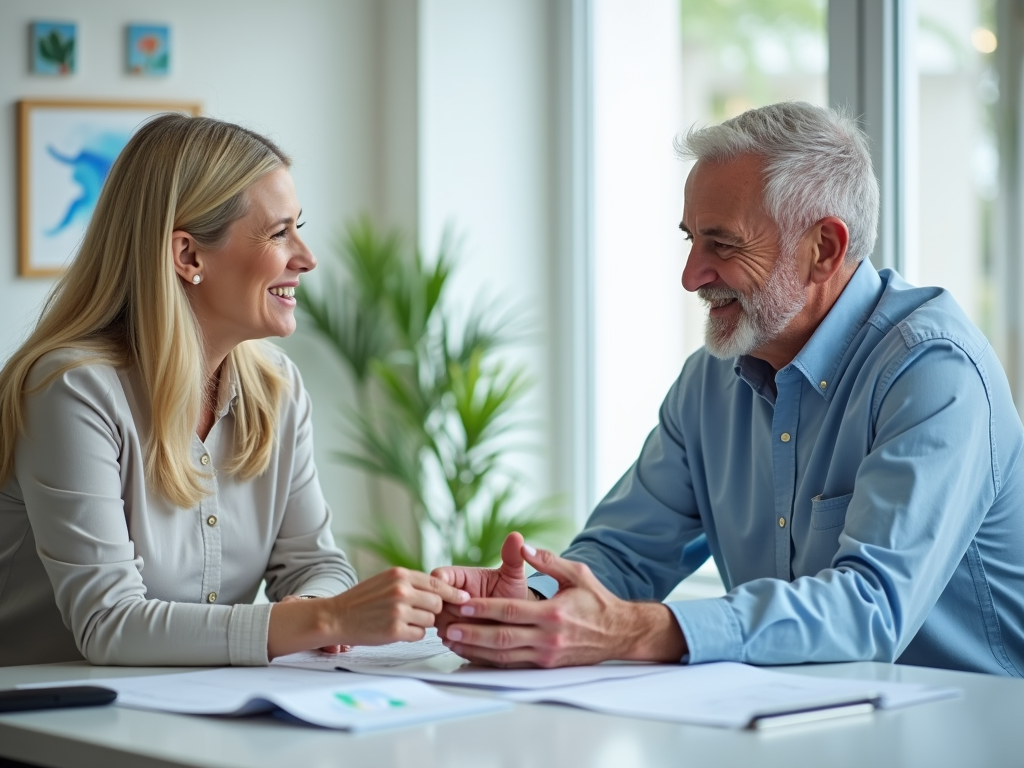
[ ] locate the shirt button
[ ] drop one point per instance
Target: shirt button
(823, 384)
(784, 437)
(212, 597)
(211, 520)
(782, 524)
(204, 459)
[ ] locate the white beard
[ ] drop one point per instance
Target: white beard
(765, 313)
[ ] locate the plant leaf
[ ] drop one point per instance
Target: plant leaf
(484, 539)
(387, 544)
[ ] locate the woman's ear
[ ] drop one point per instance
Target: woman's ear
(184, 254)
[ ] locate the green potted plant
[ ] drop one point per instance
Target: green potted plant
(436, 401)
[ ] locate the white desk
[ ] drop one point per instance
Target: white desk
(983, 728)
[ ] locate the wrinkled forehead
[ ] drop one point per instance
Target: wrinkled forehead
(729, 189)
(741, 178)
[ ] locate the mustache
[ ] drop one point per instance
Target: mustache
(711, 295)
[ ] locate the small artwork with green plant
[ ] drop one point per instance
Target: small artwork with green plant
(53, 48)
(438, 403)
(148, 49)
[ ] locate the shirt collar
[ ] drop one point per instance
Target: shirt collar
(227, 391)
(821, 356)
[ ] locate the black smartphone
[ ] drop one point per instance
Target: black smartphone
(24, 699)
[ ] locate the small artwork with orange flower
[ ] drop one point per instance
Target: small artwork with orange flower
(149, 49)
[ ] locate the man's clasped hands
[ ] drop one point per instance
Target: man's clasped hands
(506, 624)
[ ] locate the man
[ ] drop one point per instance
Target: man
(845, 446)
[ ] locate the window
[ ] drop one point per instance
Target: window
(958, 160)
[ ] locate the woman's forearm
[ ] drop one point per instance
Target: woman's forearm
(300, 625)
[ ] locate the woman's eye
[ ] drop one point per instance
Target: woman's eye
(284, 232)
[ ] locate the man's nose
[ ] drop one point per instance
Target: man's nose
(698, 270)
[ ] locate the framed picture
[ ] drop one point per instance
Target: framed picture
(53, 47)
(65, 150)
(148, 49)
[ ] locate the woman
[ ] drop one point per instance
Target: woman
(156, 458)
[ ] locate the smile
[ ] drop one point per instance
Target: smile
(716, 303)
(286, 291)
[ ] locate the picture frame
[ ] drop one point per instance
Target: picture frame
(52, 48)
(148, 50)
(65, 150)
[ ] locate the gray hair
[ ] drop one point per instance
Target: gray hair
(817, 164)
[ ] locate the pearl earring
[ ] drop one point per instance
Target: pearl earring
(197, 279)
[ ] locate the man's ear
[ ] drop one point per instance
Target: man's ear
(184, 254)
(830, 238)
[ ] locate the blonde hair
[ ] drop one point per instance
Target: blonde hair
(123, 303)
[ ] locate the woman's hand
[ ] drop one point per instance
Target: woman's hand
(398, 604)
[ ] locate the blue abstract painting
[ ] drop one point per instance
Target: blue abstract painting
(89, 167)
(66, 153)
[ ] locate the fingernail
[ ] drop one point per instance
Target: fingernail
(463, 595)
(529, 550)
(454, 634)
(467, 610)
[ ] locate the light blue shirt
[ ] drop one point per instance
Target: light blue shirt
(872, 509)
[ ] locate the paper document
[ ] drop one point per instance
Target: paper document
(429, 660)
(350, 702)
(436, 671)
(729, 695)
(368, 657)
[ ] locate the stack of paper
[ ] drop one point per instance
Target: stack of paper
(391, 690)
(724, 694)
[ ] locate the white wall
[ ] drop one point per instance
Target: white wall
(338, 84)
(639, 319)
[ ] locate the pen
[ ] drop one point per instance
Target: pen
(767, 720)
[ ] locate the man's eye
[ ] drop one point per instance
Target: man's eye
(687, 237)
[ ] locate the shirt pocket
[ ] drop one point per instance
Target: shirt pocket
(829, 513)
